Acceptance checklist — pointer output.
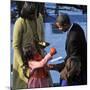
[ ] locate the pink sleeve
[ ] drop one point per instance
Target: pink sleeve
(39, 64)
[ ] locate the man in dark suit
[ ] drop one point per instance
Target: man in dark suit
(75, 46)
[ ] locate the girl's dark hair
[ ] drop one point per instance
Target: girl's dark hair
(27, 9)
(28, 53)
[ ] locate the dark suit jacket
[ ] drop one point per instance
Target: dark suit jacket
(76, 46)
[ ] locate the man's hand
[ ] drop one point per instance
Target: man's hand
(50, 66)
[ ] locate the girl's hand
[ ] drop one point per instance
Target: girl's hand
(52, 51)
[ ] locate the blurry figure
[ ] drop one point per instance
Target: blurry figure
(75, 46)
(28, 29)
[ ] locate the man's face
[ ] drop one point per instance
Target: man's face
(60, 27)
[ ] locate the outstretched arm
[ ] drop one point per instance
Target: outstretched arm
(57, 67)
(43, 62)
(39, 64)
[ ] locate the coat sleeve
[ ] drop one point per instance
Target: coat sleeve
(17, 41)
(57, 67)
(74, 45)
(39, 64)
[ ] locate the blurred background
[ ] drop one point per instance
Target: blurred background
(77, 14)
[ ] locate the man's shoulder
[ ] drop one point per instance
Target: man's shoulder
(76, 28)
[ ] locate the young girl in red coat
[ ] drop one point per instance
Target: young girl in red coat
(38, 70)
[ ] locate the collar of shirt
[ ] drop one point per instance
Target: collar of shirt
(69, 28)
